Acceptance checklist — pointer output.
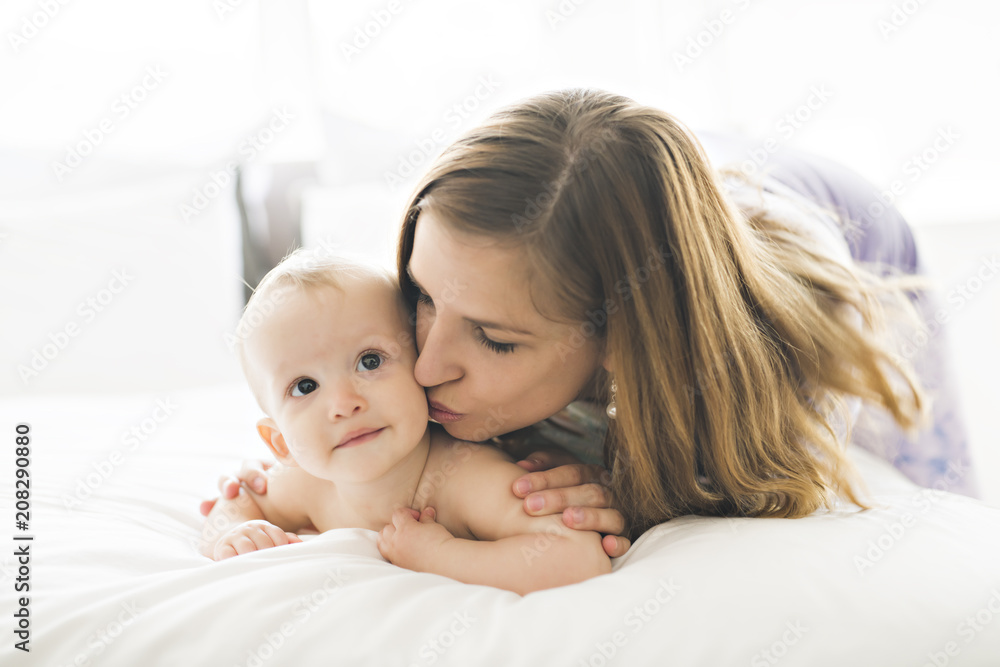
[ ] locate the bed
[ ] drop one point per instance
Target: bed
(116, 579)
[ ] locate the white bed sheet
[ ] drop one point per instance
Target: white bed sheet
(116, 579)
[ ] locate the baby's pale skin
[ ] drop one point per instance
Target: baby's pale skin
(329, 363)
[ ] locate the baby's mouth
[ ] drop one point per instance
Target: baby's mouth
(359, 437)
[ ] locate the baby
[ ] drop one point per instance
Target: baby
(331, 365)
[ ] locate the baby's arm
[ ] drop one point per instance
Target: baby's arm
(515, 551)
(250, 522)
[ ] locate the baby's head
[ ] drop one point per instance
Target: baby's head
(328, 351)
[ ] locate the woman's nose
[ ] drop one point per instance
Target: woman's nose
(437, 361)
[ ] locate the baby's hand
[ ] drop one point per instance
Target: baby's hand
(251, 536)
(412, 539)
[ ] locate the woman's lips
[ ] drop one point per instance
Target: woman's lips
(441, 414)
(359, 437)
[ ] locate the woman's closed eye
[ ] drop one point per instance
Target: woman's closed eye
(304, 386)
(424, 299)
(499, 348)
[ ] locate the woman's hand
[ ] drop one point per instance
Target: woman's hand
(253, 473)
(559, 483)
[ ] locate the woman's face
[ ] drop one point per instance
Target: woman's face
(490, 361)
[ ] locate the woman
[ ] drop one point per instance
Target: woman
(578, 249)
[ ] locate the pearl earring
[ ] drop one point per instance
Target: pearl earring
(612, 407)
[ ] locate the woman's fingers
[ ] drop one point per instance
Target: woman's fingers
(608, 521)
(254, 474)
(206, 506)
(554, 501)
(546, 459)
(615, 546)
(566, 475)
(229, 487)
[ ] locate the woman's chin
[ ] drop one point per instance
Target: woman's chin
(464, 430)
(476, 431)
(457, 430)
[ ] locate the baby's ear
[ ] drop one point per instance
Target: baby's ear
(269, 433)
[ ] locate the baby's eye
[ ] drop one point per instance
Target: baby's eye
(304, 386)
(369, 361)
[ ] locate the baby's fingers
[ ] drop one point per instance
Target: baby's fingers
(384, 541)
(224, 550)
(403, 515)
(277, 537)
(252, 536)
(236, 545)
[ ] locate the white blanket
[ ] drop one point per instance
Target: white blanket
(116, 579)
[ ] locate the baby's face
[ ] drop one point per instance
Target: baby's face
(334, 370)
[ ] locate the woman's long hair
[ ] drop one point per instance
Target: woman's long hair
(727, 334)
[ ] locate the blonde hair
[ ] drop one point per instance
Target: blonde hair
(727, 335)
(302, 269)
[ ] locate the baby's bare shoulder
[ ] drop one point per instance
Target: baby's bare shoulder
(294, 498)
(466, 479)
(449, 452)
(460, 468)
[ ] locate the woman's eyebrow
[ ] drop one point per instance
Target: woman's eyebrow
(479, 323)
